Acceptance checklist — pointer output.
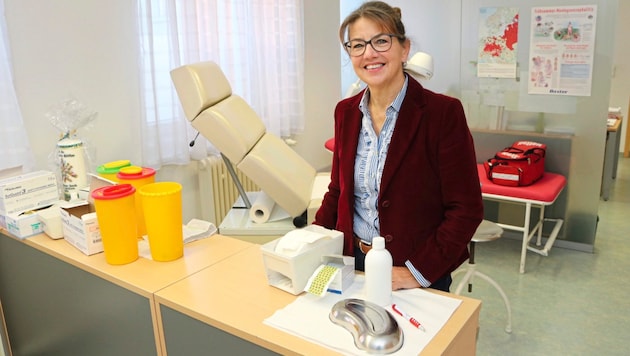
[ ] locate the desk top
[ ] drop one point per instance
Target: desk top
(233, 295)
(142, 276)
(615, 126)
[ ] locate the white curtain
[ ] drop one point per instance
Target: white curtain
(14, 146)
(257, 43)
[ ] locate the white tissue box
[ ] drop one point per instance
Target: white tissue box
(290, 270)
(344, 279)
(28, 192)
(22, 224)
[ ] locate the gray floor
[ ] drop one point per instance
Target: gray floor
(569, 303)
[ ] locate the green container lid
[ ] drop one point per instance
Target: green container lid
(113, 167)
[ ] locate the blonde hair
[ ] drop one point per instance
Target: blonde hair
(390, 18)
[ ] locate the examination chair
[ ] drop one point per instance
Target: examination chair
(233, 127)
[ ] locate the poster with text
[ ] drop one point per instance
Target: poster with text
(561, 50)
(498, 39)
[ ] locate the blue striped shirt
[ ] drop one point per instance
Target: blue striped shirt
(369, 162)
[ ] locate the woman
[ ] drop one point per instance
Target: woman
(404, 164)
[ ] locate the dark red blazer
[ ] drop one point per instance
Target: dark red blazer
(430, 199)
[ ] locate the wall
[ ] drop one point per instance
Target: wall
(439, 28)
(620, 87)
(586, 115)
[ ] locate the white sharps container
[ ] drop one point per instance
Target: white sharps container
(72, 165)
(378, 273)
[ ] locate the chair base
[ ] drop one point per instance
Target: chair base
(472, 272)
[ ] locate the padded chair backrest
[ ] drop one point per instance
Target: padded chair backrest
(232, 126)
(235, 129)
(200, 86)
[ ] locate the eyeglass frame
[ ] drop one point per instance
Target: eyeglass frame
(346, 45)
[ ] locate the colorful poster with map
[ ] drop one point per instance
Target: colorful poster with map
(498, 40)
(561, 50)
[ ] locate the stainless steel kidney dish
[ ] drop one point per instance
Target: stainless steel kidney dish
(374, 330)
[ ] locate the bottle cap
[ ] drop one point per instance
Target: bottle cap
(378, 243)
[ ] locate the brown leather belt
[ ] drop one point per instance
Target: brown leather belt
(363, 246)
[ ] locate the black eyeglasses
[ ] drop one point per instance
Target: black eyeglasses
(381, 43)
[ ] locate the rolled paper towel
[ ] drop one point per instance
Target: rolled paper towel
(262, 208)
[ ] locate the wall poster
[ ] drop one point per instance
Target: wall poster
(561, 50)
(498, 39)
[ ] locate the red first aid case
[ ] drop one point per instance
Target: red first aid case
(521, 164)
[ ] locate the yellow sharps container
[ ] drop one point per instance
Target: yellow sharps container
(116, 215)
(138, 177)
(162, 206)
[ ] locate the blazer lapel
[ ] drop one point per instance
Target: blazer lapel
(405, 132)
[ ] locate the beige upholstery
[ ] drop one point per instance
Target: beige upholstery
(235, 129)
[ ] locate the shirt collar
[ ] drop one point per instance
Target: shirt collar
(396, 104)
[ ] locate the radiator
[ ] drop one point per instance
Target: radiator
(217, 189)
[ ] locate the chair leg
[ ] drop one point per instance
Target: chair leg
(508, 328)
(467, 279)
(528, 210)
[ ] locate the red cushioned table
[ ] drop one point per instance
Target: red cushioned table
(540, 194)
(330, 144)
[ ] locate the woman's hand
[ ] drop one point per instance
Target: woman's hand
(403, 279)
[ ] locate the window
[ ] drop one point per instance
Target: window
(257, 43)
(14, 146)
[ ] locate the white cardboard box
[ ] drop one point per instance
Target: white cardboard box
(80, 227)
(345, 278)
(28, 192)
(22, 225)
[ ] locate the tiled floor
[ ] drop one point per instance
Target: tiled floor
(569, 303)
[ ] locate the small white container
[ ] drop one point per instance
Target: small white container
(378, 273)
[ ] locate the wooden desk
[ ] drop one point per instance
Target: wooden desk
(611, 157)
(222, 309)
(57, 300)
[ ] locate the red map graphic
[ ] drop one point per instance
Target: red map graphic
(494, 45)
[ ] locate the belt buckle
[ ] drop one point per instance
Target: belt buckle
(363, 245)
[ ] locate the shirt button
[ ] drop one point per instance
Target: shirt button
(385, 204)
(389, 238)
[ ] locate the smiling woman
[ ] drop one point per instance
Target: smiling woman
(403, 166)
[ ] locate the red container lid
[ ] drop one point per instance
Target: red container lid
(113, 192)
(135, 172)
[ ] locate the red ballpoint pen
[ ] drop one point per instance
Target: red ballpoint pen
(411, 319)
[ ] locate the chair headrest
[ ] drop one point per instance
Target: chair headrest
(200, 86)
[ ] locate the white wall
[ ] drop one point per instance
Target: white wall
(82, 49)
(620, 88)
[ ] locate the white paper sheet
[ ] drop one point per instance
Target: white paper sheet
(307, 317)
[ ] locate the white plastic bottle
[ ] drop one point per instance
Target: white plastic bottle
(378, 273)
